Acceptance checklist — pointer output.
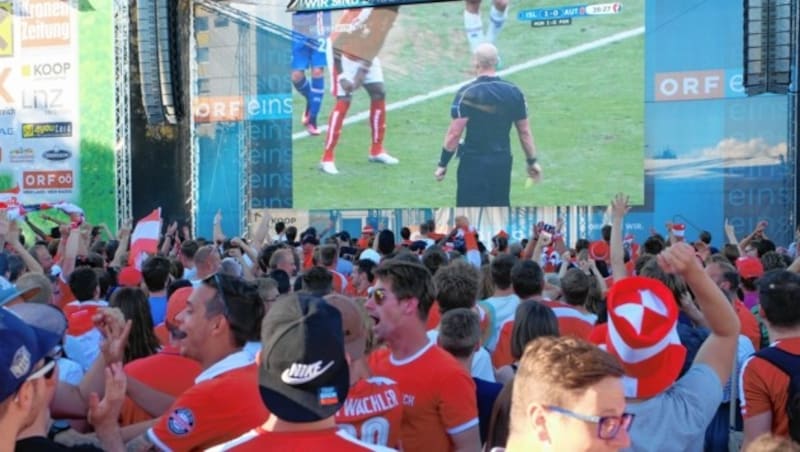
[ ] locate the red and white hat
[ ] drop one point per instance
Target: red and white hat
(678, 229)
(642, 320)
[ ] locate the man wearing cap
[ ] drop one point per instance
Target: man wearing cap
(221, 315)
(28, 380)
(373, 411)
(671, 414)
(151, 371)
(440, 410)
(750, 269)
(568, 396)
(303, 380)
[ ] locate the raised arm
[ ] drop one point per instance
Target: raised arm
(13, 240)
(718, 351)
(619, 207)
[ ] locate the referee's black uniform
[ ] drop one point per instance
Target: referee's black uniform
(484, 171)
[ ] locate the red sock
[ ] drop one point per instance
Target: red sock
(334, 128)
(377, 122)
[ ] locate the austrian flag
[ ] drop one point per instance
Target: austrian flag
(144, 240)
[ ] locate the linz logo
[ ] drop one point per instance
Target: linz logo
(57, 155)
(43, 99)
(47, 130)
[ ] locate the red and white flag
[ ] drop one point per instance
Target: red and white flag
(144, 240)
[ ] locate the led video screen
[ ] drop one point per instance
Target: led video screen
(377, 90)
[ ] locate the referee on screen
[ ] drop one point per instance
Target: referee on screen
(486, 108)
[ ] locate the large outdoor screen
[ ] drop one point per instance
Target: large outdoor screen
(580, 68)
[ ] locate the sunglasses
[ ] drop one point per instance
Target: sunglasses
(46, 371)
(378, 294)
(218, 285)
(608, 427)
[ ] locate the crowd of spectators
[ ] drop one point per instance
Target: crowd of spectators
(426, 341)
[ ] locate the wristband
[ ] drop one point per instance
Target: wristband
(531, 161)
(444, 159)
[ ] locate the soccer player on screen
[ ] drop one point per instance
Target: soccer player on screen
(486, 108)
(357, 39)
(473, 23)
(309, 42)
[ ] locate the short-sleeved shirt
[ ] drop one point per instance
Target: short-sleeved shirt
(358, 44)
(676, 420)
(373, 412)
(257, 440)
(765, 388)
(153, 371)
(438, 396)
(158, 308)
(224, 403)
(492, 106)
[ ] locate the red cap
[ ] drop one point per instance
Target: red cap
(749, 267)
(129, 277)
(502, 234)
(598, 250)
(367, 229)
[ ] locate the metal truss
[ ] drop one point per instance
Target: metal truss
(122, 111)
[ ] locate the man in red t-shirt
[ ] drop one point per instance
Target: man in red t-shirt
(765, 387)
(373, 411)
(303, 380)
(440, 407)
(222, 313)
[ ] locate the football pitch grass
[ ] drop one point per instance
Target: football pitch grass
(586, 112)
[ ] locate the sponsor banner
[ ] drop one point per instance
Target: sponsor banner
(40, 100)
(46, 130)
(52, 181)
(45, 23)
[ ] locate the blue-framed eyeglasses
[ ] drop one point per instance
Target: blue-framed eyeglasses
(608, 427)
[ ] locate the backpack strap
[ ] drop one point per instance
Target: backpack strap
(788, 363)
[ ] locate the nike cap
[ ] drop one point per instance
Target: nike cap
(303, 374)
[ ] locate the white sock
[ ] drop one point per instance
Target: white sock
(496, 21)
(473, 26)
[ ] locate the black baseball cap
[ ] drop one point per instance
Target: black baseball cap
(303, 374)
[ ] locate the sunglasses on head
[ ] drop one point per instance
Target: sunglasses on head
(218, 285)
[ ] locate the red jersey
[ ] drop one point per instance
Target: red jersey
(360, 33)
(750, 326)
(224, 403)
(151, 371)
(439, 396)
(373, 412)
(330, 440)
(571, 321)
(765, 388)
